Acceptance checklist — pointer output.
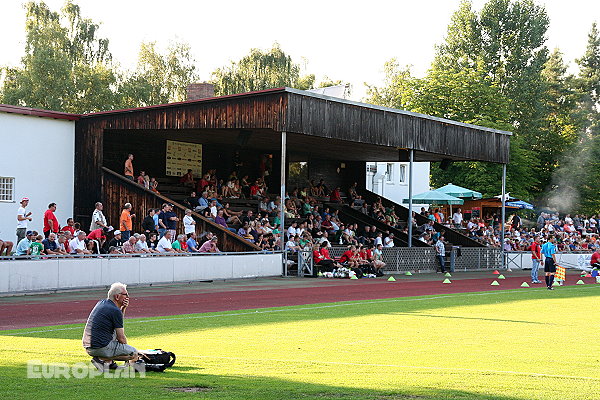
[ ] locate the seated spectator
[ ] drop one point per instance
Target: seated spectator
(36, 247)
(191, 201)
(292, 244)
(188, 179)
(23, 245)
(78, 245)
(141, 179)
(192, 245)
(153, 242)
(335, 196)
(210, 246)
(213, 209)
(129, 246)
(116, 241)
(141, 246)
(263, 207)
(232, 217)
(5, 247)
(180, 245)
(164, 244)
(50, 245)
(219, 219)
(154, 185)
(70, 227)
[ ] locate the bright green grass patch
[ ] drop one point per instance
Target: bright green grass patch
(519, 344)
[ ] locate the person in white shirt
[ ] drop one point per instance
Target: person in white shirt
(77, 244)
(291, 231)
(189, 224)
(164, 244)
(141, 246)
(379, 239)
(98, 218)
(389, 241)
(22, 218)
(457, 218)
(213, 209)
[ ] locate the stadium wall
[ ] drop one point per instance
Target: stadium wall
(22, 276)
(38, 153)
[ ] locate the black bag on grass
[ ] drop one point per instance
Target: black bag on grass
(156, 360)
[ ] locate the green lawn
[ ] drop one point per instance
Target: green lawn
(514, 344)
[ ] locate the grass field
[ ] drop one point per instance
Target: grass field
(512, 344)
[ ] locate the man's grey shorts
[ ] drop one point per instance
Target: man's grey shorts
(111, 350)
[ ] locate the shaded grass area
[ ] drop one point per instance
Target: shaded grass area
(528, 344)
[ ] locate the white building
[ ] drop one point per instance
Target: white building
(390, 180)
(36, 161)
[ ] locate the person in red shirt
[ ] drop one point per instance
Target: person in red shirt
(536, 259)
(50, 221)
(69, 226)
(595, 261)
(322, 259)
(335, 196)
(99, 235)
(349, 258)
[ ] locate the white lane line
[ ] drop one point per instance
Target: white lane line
(433, 368)
(315, 307)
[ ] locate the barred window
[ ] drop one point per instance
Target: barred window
(402, 174)
(7, 189)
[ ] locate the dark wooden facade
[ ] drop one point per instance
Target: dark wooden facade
(318, 127)
(118, 191)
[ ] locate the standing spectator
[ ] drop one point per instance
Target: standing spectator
(536, 259)
(126, 224)
(189, 225)
(457, 218)
(170, 219)
(148, 225)
(99, 236)
(129, 167)
(440, 252)
(50, 221)
(164, 244)
(22, 218)
(98, 218)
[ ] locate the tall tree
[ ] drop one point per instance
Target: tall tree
(260, 70)
(159, 78)
(66, 67)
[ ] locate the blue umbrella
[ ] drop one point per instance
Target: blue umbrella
(519, 204)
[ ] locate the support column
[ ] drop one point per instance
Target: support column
(282, 195)
(410, 197)
(503, 215)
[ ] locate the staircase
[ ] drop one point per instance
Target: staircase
(452, 235)
(117, 190)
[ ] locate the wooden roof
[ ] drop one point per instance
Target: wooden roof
(317, 124)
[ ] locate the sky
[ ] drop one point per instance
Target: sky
(348, 40)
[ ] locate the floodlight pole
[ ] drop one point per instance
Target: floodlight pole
(282, 196)
(410, 198)
(503, 214)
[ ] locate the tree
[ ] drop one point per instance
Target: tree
(159, 78)
(66, 67)
(260, 70)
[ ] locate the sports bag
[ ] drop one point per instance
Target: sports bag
(156, 360)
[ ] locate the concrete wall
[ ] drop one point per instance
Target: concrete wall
(39, 154)
(395, 186)
(64, 273)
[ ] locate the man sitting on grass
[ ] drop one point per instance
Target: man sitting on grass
(103, 325)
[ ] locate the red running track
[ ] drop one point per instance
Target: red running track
(24, 314)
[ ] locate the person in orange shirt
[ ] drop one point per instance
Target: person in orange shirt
(129, 167)
(126, 224)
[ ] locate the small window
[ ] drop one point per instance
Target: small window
(390, 172)
(7, 189)
(402, 174)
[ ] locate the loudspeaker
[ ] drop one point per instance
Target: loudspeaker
(445, 164)
(243, 138)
